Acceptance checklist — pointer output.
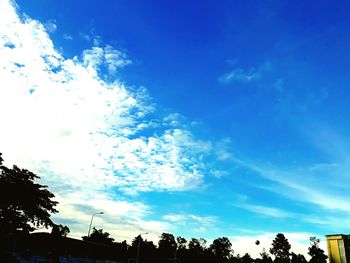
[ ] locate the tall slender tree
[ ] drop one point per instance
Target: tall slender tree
(280, 249)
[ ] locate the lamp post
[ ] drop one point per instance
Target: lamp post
(92, 218)
(138, 247)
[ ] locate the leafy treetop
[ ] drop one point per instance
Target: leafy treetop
(280, 249)
(24, 204)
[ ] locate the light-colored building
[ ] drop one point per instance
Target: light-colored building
(338, 247)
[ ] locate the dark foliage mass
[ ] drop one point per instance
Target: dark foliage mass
(280, 249)
(60, 231)
(26, 205)
(171, 249)
(99, 236)
(317, 254)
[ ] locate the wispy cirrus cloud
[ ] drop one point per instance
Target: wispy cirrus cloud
(241, 75)
(326, 220)
(193, 223)
(316, 187)
(266, 211)
(50, 26)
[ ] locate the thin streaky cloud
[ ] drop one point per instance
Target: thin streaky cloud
(266, 211)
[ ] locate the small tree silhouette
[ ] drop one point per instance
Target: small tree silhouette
(60, 231)
(99, 236)
(317, 254)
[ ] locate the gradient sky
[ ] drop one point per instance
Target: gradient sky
(205, 119)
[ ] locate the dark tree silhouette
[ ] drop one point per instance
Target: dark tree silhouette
(99, 236)
(235, 259)
(197, 245)
(197, 251)
(182, 251)
(246, 258)
(147, 250)
(167, 246)
(265, 257)
(121, 250)
(24, 204)
(136, 241)
(280, 249)
(317, 254)
(298, 258)
(60, 231)
(181, 243)
(222, 248)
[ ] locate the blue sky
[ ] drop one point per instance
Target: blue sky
(203, 120)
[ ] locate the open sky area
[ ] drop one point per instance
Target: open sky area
(198, 118)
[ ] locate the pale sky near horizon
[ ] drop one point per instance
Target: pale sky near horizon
(199, 119)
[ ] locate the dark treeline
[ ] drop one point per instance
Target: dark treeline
(26, 205)
(171, 249)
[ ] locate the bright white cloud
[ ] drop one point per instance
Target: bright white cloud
(97, 57)
(123, 219)
(60, 112)
(67, 121)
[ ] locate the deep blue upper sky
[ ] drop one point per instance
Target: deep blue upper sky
(181, 48)
(269, 79)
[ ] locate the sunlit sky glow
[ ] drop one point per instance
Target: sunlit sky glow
(201, 119)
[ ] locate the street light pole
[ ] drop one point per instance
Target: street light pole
(138, 247)
(92, 218)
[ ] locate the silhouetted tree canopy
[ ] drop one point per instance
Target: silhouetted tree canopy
(265, 257)
(167, 246)
(60, 231)
(298, 258)
(136, 241)
(24, 204)
(246, 258)
(280, 249)
(197, 251)
(99, 236)
(317, 254)
(181, 243)
(197, 245)
(221, 247)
